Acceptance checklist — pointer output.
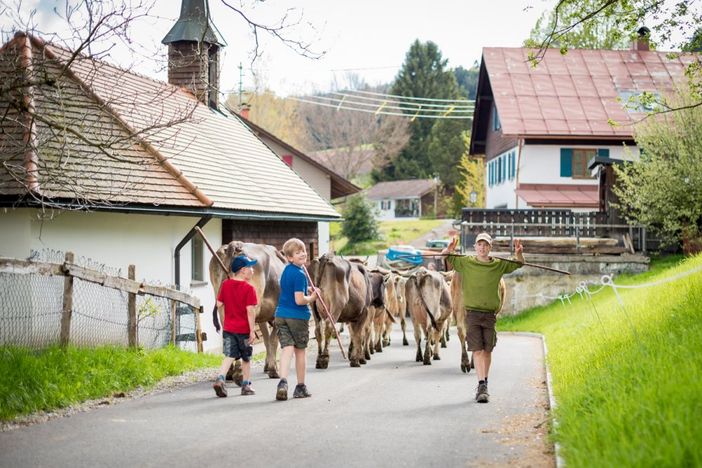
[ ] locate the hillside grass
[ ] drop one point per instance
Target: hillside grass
(627, 379)
(53, 378)
(391, 233)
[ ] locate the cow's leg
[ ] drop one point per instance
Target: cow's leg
(444, 333)
(356, 345)
(465, 360)
(403, 325)
(437, 337)
(418, 339)
(387, 332)
(237, 374)
(270, 340)
(318, 327)
(328, 332)
(378, 335)
(427, 346)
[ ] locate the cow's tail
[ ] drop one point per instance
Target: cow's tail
(215, 318)
(426, 306)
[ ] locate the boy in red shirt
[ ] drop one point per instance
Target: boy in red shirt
(238, 297)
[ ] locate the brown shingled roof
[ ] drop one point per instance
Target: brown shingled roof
(575, 94)
(400, 189)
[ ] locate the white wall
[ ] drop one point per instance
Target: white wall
(117, 240)
(384, 214)
(323, 229)
(541, 164)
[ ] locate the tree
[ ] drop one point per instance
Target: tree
(674, 24)
(472, 179)
(359, 220)
(602, 32)
(467, 80)
(663, 190)
(446, 144)
(423, 74)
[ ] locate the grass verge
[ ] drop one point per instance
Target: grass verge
(391, 233)
(627, 379)
(53, 378)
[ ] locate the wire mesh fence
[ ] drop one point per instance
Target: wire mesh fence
(50, 299)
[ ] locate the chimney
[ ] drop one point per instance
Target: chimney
(641, 42)
(193, 52)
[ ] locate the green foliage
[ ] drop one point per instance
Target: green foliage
(663, 190)
(446, 144)
(627, 379)
(391, 233)
(467, 80)
(55, 378)
(601, 32)
(471, 172)
(359, 220)
(423, 74)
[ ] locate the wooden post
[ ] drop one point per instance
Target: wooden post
(67, 304)
(198, 329)
(173, 321)
(131, 312)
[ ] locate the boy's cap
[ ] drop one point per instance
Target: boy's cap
(240, 262)
(484, 236)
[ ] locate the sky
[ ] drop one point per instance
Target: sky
(368, 38)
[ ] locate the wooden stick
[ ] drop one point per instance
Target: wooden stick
(326, 310)
(499, 258)
(214, 253)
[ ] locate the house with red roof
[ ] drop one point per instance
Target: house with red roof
(121, 168)
(538, 127)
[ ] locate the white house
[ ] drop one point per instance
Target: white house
(538, 127)
(403, 198)
(121, 168)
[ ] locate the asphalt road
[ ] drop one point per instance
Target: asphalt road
(391, 412)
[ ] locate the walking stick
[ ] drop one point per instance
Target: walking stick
(326, 310)
(224, 268)
(543, 267)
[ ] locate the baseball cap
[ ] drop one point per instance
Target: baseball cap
(240, 262)
(484, 236)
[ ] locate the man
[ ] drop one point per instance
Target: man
(480, 279)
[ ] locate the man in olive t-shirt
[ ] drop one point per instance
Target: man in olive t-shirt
(481, 279)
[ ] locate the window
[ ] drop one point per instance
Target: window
(496, 124)
(385, 204)
(197, 259)
(574, 162)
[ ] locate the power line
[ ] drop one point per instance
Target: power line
(406, 105)
(380, 111)
(459, 101)
(388, 105)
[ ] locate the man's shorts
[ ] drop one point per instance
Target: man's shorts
(293, 332)
(480, 330)
(236, 345)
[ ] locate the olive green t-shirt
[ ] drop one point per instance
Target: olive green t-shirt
(481, 281)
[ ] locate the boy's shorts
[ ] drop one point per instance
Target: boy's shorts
(293, 332)
(480, 330)
(236, 345)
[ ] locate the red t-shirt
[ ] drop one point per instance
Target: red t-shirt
(236, 296)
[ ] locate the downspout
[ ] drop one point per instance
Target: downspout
(516, 179)
(185, 240)
(30, 130)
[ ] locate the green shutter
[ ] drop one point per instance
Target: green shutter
(603, 152)
(566, 162)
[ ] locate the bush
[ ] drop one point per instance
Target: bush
(359, 220)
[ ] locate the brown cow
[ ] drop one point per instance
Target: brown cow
(459, 315)
(266, 281)
(395, 305)
(429, 304)
(376, 313)
(345, 289)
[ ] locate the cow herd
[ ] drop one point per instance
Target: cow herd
(369, 301)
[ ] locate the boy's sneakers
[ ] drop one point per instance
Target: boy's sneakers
(219, 387)
(301, 391)
(482, 395)
(246, 389)
(282, 393)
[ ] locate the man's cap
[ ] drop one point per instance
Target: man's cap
(484, 236)
(240, 262)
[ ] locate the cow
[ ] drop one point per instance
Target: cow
(429, 304)
(459, 314)
(376, 313)
(345, 289)
(266, 281)
(395, 306)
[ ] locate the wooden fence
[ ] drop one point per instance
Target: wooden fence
(69, 271)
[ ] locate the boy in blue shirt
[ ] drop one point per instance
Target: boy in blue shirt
(292, 317)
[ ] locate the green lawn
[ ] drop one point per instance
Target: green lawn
(627, 379)
(32, 381)
(391, 233)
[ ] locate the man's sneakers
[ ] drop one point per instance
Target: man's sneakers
(219, 387)
(301, 391)
(246, 388)
(282, 393)
(482, 395)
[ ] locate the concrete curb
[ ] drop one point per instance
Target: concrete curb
(560, 463)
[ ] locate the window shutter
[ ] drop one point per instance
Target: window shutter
(603, 152)
(566, 162)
